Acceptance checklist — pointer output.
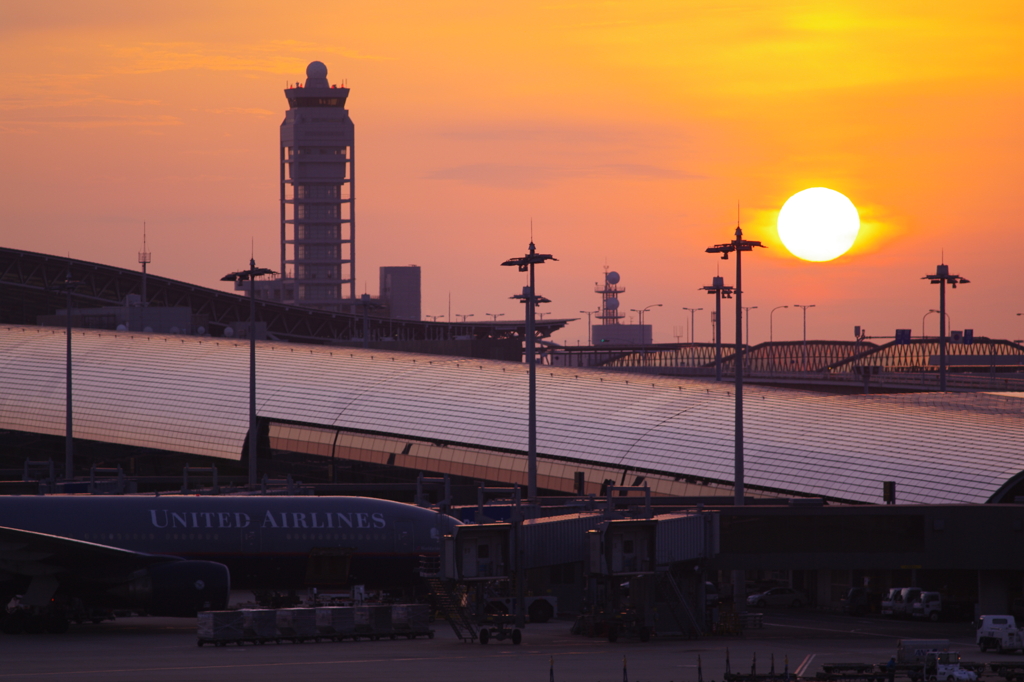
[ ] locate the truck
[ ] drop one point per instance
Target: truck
(934, 607)
(1000, 633)
(897, 601)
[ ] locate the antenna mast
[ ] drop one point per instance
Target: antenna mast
(145, 258)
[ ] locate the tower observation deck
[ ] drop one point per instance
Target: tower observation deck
(318, 216)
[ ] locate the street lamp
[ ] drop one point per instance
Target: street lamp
(457, 315)
(720, 291)
(930, 311)
(747, 309)
(640, 312)
(242, 275)
(495, 315)
(434, 318)
(693, 311)
(805, 307)
(771, 335)
(590, 334)
(941, 277)
(531, 300)
(771, 323)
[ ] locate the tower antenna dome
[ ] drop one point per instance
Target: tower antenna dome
(316, 70)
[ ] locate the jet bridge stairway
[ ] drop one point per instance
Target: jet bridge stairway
(450, 606)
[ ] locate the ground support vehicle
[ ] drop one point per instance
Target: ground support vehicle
(945, 665)
(1013, 671)
(328, 623)
(1000, 633)
(500, 627)
(932, 606)
(629, 623)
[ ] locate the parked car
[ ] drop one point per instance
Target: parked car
(777, 596)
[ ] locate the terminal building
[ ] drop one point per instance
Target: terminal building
(817, 464)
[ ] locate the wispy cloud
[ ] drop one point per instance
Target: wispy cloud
(523, 176)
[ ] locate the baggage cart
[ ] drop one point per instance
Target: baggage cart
(373, 622)
(219, 627)
(297, 624)
(411, 620)
(336, 622)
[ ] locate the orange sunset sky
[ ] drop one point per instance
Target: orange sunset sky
(627, 131)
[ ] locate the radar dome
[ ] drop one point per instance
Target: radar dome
(612, 277)
(611, 303)
(316, 70)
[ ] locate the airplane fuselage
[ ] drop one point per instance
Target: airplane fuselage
(267, 542)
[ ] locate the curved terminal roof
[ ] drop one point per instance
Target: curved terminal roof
(190, 395)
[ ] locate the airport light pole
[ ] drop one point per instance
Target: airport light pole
(531, 300)
(250, 275)
(941, 277)
(738, 246)
(69, 286)
(720, 291)
(805, 307)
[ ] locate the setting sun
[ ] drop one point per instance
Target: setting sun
(818, 224)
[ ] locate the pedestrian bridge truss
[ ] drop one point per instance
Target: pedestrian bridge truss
(985, 363)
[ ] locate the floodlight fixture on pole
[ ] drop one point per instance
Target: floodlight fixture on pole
(737, 246)
(720, 291)
(531, 300)
(805, 307)
(68, 285)
(495, 315)
(250, 275)
(942, 277)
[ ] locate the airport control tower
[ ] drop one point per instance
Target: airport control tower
(318, 214)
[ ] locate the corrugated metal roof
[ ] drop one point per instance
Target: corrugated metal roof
(190, 394)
